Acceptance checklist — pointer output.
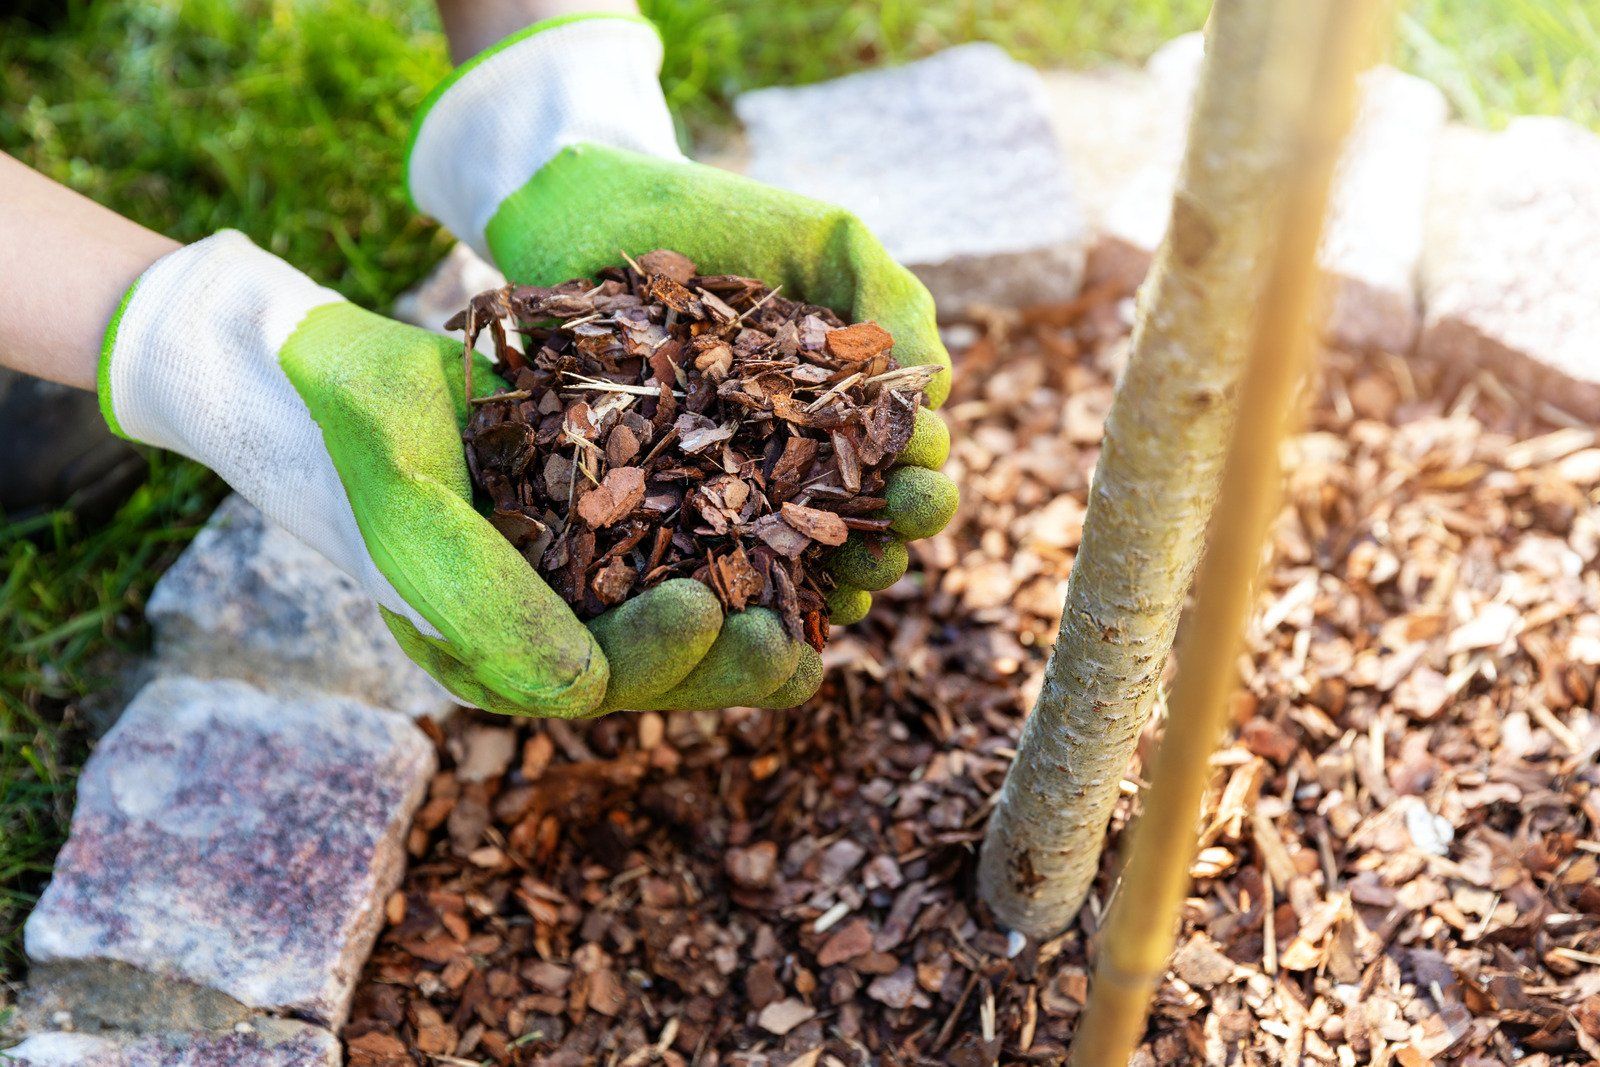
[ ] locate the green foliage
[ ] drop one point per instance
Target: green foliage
(1509, 57)
(285, 120)
(718, 48)
(1494, 59)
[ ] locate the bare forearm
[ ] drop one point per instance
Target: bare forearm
(473, 25)
(65, 262)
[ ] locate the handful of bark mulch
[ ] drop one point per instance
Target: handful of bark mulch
(664, 424)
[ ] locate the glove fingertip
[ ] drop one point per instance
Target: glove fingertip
(653, 641)
(921, 502)
(930, 442)
(802, 684)
(856, 563)
(751, 658)
(847, 605)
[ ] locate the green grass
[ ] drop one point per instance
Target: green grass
(281, 120)
(717, 48)
(1503, 58)
(287, 119)
(1493, 58)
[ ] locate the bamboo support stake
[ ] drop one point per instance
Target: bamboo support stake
(1334, 39)
(1160, 468)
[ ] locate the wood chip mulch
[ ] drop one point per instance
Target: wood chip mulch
(662, 424)
(1400, 848)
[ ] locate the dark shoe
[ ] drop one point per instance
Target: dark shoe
(55, 452)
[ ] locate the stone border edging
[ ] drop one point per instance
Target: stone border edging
(238, 829)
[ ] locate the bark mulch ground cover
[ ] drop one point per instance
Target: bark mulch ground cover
(1400, 849)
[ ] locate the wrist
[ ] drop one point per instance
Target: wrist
(191, 363)
(497, 119)
(475, 26)
(215, 309)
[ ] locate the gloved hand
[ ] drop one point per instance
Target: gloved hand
(553, 153)
(345, 428)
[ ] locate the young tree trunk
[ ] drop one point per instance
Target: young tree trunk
(1333, 38)
(1160, 467)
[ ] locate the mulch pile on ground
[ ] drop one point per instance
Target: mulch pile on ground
(662, 424)
(1400, 865)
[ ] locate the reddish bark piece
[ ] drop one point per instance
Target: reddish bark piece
(790, 469)
(664, 261)
(816, 629)
(672, 294)
(558, 470)
(621, 446)
(517, 527)
(739, 582)
(376, 1050)
(852, 939)
(619, 493)
(783, 538)
(753, 867)
(823, 526)
(716, 361)
(696, 433)
(858, 343)
(663, 364)
(613, 582)
(897, 990)
(784, 1015)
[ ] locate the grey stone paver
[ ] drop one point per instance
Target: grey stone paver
(1511, 275)
(237, 840)
(248, 600)
(950, 160)
(1109, 121)
(1123, 131)
(265, 1043)
(1372, 245)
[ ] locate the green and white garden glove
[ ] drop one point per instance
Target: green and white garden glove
(344, 428)
(553, 153)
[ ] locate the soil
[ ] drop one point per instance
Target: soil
(1400, 848)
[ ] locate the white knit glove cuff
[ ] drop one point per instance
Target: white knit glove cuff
(505, 114)
(192, 366)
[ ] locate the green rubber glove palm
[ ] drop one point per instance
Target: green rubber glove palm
(390, 402)
(591, 202)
